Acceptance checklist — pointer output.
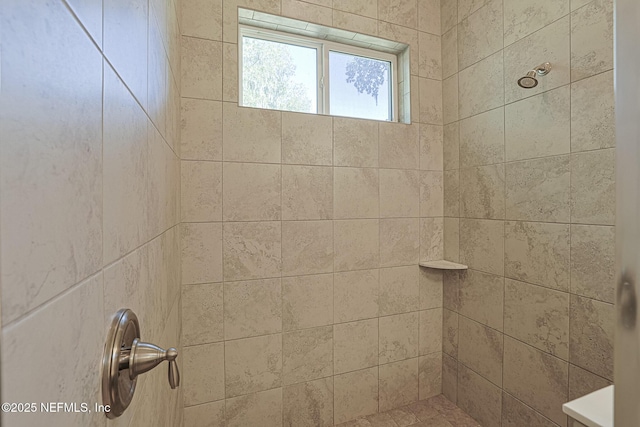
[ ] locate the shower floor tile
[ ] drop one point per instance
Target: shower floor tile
(437, 411)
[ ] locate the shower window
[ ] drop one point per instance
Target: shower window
(294, 73)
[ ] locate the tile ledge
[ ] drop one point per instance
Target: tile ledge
(442, 264)
(593, 410)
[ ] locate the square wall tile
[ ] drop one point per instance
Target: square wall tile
(355, 295)
(201, 71)
(203, 376)
(450, 52)
(309, 403)
(355, 142)
(252, 308)
(431, 238)
(202, 316)
(355, 193)
(431, 100)
(253, 364)
(307, 354)
(307, 192)
(583, 382)
(593, 187)
(481, 349)
(482, 192)
(478, 397)
(201, 253)
(481, 298)
(202, 19)
(307, 301)
(450, 378)
(230, 72)
(398, 337)
(430, 336)
(431, 193)
(251, 192)
(399, 241)
(514, 413)
(591, 39)
(260, 142)
(538, 253)
(482, 139)
(307, 247)
(481, 86)
(252, 250)
(201, 191)
(450, 332)
(523, 19)
(201, 129)
(263, 409)
(431, 146)
(306, 139)
(429, 16)
(403, 12)
(591, 341)
(399, 193)
(429, 375)
(355, 345)
(483, 246)
(355, 394)
(398, 384)
(207, 414)
(593, 261)
(537, 316)
(451, 146)
(480, 34)
(430, 62)
(398, 145)
(593, 124)
(451, 193)
(356, 244)
(430, 283)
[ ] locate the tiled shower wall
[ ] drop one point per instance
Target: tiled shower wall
(529, 206)
(89, 189)
(303, 302)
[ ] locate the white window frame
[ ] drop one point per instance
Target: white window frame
(323, 47)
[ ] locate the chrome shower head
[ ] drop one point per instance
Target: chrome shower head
(529, 81)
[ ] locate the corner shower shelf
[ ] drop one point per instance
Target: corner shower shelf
(442, 264)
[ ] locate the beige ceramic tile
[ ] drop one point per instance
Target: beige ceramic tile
(522, 19)
(450, 99)
(307, 11)
(309, 404)
(538, 253)
(539, 189)
(399, 193)
(260, 142)
(263, 409)
(398, 337)
(482, 192)
(359, 7)
(402, 12)
(593, 261)
(307, 354)
(591, 341)
(451, 289)
(592, 123)
(355, 394)
(429, 16)
(481, 348)
(481, 87)
(451, 146)
(208, 414)
(481, 298)
(483, 246)
(399, 145)
(468, 7)
(201, 129)
(431, 239)
(431, 100)
(355, 295)
(307, 247)
(355, 142)
(201, 253)
(591, 39)
(251, 192)
(430, 283)
(307, 301)
(480, 34)
(202, 317)
(201, 71)
(478, 397)
(431, 146)
(452, 239)
(430, 64)
(537, 316)
(203, 385)
(583, 382)
(307, 192)
(230, 72)
(399, 241)
(482, 139)
(252, 364)
(450, 333)
(451, 193)
(430, 334)
(252, 250)
(202, 19)
(593, 187)
(252, 308)
(448, 14)
(201, 191)
(429, 375)
(355, 345)
(450, 52)
(450, 378)
(357, 23)
(355, 193)
(306, 139)
(356, 244)
(550, 44)
(398, 384)
(514, 413)
(539, 126)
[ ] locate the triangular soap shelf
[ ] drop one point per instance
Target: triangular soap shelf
(442, 264)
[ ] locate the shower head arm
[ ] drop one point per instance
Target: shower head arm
(543, 69)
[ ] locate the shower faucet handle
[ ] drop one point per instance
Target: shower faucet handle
(143, 357)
